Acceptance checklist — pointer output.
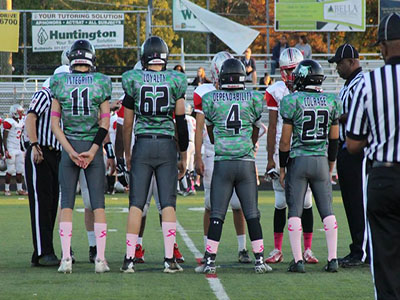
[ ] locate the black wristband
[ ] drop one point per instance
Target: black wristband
(332, 149)
(100, 136)
(34, 144)
(183, 134)
(109, 150)
(283, 158)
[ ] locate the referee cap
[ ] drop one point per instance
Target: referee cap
(344, 51)
(389, 28)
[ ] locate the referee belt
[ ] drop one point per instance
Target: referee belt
(154, 136)
(385, 164)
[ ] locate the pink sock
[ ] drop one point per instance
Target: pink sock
(307, 236)
(212, 246)
(330, 226)
(294, 228)
(169, 232)
(65, 237)
(278, 238)
(100, 231)
(131, 240)
(258, 246)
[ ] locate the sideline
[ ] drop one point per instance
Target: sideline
(213, 280)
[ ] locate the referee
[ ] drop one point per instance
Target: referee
(41, 171)
(374, 122)
(349, 166)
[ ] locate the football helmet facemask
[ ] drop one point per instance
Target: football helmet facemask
(154, 51)
(232, 75)
(82, 52)
(308, 73)
(288, 61)
(16, 111)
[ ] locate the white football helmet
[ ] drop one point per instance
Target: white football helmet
(188, 109)
(288, 60)
(138, 66)
(3, 164)
(64, 57)
(16, 111)
(216, 64)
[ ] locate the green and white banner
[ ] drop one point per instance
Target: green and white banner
(320, 15)
(57, 31)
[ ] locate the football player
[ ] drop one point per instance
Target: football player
(204, 161)
(81, 101)
(311, 117)
(288, 61)
(152, 95)
(13, 128)
(233, 116)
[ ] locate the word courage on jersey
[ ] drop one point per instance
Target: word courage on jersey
(315, 101)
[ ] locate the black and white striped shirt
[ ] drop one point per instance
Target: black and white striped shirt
(375, 112)
(41, 106)
(346, 96)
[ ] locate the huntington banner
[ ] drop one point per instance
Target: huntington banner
(9, 31)
(316, 15)
(57, 31)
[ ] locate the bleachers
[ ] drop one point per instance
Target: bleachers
(21, 91)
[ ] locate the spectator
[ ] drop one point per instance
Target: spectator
(250, 66)
(281, 45)
(265, 81)
(304, 47)
(200, 78)
(179, 68)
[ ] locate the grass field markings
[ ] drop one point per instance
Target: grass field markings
(112, 230)
(201, 209)
(118, 210)
(213, 281)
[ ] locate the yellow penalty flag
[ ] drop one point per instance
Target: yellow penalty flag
(9, 31)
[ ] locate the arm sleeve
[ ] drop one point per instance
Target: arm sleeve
(40, 102)
(128, 102)
(257, 109)
(271, 102)
(7, 125)
(107, 88)
(336, 112)
(357, 122)
(287, 109)
(183, 134)
(181, 86)
(197, 103)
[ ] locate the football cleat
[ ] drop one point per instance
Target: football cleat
(72, 255)
(128, 265)
(209, 266)
(7, 193)
(22, 193)
(309, 257)
(65, 266)
(244, 257)
(275, 256)
(139, 254)
(296, 267)
(259, 266)
(178, 255)
(92, 253)
(171, 266)
(101, 266)
(332, 266)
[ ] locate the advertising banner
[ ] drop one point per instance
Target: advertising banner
(9, 31)
(318, 15)
(386, 7)
(57, 31)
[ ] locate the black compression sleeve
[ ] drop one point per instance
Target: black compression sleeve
(100, 136)
(332, 149)
(183, 134)
(283, 158)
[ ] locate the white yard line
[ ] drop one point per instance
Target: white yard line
(214, 282)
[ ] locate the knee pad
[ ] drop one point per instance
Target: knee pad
(215, 229)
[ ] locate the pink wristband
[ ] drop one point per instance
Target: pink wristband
(55, 114)
(106, 115)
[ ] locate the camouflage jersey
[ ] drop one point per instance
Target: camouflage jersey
(152, 96)
(80, 96)
(311, 115)
(233, 114)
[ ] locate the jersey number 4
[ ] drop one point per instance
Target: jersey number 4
(315, 125)
(233, 120)
(83, 101)
(153, 99)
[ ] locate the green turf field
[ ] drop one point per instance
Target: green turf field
(18, 280)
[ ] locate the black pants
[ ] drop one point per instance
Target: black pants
(43, 190)
(349, 169)
(383, 212)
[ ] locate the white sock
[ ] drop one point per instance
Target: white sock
(91, 238)
(139, 241)
(7, 187)
(205, 242)
(19, 186)
(241, 242)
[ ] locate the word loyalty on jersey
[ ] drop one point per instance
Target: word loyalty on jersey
(154, 77)
(315, 101)
(79, 79)
(229, 96)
